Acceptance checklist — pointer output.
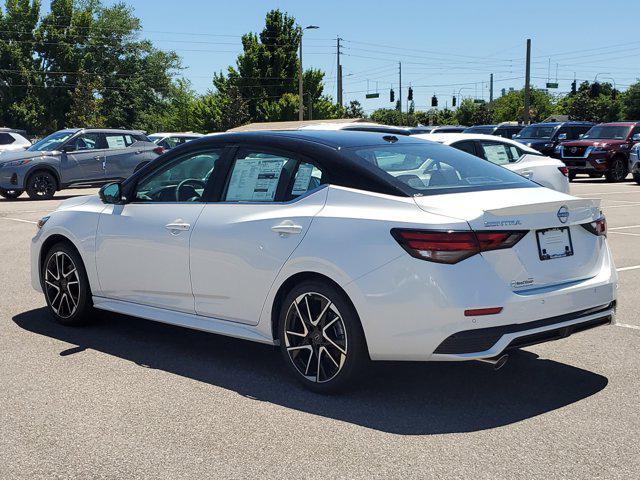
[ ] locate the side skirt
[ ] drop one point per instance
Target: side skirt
(187, 320)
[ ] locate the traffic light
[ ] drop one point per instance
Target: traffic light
(574, 87)
(392, 96)
(410, 94)
(434, 101)
(453, 101)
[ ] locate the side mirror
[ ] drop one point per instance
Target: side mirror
(635, 137)
(581, 135)
(68, 148)
(111, 193)
(562, 136)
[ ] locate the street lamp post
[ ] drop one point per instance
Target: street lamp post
(300, 91)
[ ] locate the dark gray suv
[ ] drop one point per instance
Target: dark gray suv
(74, 158)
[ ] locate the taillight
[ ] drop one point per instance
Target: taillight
(450, 246)
(159, 150)
(598, 227)
(564, 171)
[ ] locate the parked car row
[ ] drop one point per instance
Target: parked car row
(76, 158)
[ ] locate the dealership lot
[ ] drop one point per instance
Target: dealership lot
(128, 398)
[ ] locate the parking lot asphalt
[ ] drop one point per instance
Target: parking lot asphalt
(129, 398)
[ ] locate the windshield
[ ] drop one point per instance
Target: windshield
(616, 132)
(486, 129)
(52, 142)
(434, 169)
(536, 131)
(155, 138)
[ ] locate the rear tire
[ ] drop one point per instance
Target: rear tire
(572, 176)
(41, 185)
(321, 339)
(10, 194)
(618, 170)
(595, 175)
(66, 286)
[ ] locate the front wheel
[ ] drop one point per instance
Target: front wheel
(41, 185)
(66, 286)
(321, 338)
(636, 177)
(10, 194)
(618, 170)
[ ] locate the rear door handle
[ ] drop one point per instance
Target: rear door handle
(177, 227)
(287, 228)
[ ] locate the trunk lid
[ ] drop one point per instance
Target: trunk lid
(532, 210)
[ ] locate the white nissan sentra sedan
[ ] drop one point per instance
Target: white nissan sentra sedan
(321, 243)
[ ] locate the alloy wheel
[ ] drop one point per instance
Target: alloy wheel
(62, 284)
(44, 185)
(315, 337)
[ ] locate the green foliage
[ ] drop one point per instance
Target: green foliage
(79, 64)
(510, 107)
(354, 110)
(631, 102)
(593, 102)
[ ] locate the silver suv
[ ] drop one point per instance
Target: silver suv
(74, 158)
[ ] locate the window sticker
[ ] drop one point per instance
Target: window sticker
(254, 179)
(303, 177)
(116, 141)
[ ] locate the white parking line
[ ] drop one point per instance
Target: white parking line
(626, 325)
(18, 220)
(624, 228)
(624, 269)
(627, 233)
(602, 193)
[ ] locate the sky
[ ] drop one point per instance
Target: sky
(446, 48)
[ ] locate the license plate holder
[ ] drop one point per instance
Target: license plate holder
(554, 243)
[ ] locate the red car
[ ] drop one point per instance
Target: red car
(603, 150)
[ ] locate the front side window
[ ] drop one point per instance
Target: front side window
(255, 177)
(6, 139)
(466, 146)
(434, 169)
(182, 180)
(89, 141)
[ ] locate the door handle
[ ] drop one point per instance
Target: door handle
(176, 227)
(527, 173)
(287, 228)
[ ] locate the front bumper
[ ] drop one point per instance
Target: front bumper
(11, 178)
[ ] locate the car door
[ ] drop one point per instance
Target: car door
(123, 155)
(142, 247)
(241, 242)
(86, 159)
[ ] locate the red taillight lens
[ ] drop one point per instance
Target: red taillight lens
(452, 247)
(599, 227)
(564, 171)
(159, 150)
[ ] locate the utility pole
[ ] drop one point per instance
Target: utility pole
(300, 92)
(400, 85)
(339, 72)
(527, 86)
(491, 88)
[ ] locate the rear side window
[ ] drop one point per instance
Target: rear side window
(499, 153)
(255, 177)
(435, 169)
(307, 177)
(465, 147)
(6, 139)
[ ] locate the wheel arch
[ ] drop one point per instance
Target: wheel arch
(49, 242)
(43, 167)
(296, 279)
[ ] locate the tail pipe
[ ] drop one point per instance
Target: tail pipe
(497, 362)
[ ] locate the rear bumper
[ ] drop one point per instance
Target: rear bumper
(487, 342)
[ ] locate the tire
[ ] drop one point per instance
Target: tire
(636, 177)
(572, 176)
(618, 170)
(10, 194)
(595, 175)
(327, 356)
(41, 185)
(68, 296)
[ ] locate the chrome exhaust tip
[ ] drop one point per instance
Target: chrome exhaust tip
(496, 362)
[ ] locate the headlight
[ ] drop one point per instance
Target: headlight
(16, 163)
(42, 221)
(548, 145)
(558, 149)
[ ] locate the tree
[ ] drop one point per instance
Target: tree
(599, 104)
(354, 110)
(631, 102)
(510, 107)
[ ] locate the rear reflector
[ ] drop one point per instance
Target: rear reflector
(476, 312)
(564, 171)
(451, 246)
(598, 227)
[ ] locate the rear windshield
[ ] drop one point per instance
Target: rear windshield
(435, 169)
(536, 131)
(484, 129)
(616, 132)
